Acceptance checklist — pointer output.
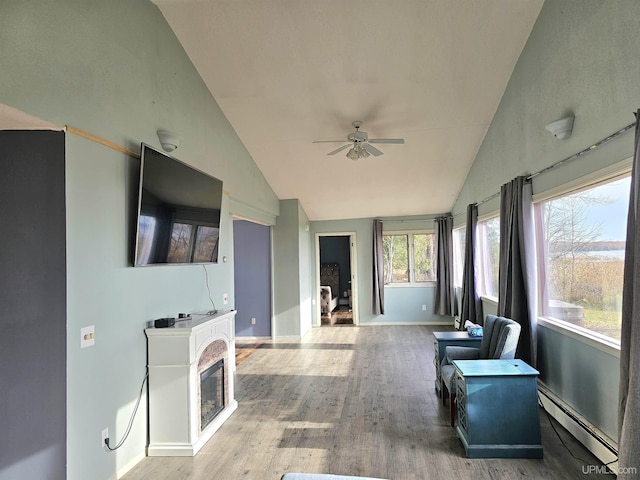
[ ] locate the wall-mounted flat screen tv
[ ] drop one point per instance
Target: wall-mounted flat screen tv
(178, 212)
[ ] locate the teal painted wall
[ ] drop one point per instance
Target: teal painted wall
(584, 376)
(116, 70)
(306, 270)
(291, 270)
(403, 305)
(581, 57)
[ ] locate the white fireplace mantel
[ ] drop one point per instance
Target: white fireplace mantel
(174, 423)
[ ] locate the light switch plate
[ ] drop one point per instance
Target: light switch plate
(87, 336)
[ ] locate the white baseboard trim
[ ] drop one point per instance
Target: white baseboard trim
(252, 339)
(593, 439)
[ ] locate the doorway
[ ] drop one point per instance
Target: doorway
(336, 298)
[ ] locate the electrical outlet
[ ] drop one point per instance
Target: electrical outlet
(253, 320)
(104, 436)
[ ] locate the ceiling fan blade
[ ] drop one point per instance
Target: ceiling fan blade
(328, 141)
(339, 149)
(372, 150)
(386, 140)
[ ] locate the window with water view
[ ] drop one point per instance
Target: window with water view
(581, 244)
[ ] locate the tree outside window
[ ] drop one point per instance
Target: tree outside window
(582, 244)
(408, 258)
(396, 258)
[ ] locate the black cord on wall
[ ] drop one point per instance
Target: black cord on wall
(133, 416)
(206, 276)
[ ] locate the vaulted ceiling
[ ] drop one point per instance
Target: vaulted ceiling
(288, 72)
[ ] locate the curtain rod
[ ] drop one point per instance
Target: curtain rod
(586, 150)
(427, 219)
(564, 160)
(422, 219)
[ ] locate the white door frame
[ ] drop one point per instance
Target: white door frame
(354, 270)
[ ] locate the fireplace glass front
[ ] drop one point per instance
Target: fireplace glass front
(211, 393)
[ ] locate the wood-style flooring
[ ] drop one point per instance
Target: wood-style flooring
(342, 315)
(352, 401)
(246, 348)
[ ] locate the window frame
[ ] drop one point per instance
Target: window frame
(609, 174)
(412, 283)
(480, 258)
(588, 337)
(459, 249)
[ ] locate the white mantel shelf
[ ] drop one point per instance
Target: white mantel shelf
(173, 354)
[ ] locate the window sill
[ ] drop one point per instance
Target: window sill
(595, 340)
(410, 285)
(491, 300)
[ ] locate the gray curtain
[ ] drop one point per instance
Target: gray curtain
(445, 294)
(471, 304)
(377, 296)
(629, 394)
(517, 285)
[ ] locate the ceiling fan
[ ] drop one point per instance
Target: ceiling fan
(360, 143)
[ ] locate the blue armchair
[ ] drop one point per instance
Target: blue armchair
(499, 341)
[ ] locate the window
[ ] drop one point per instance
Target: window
(488, 256)
(423, 264)
(396, 258)
(408, 258)
(581, 244)
(459, 239)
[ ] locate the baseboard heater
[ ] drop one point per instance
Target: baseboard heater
(598, 443)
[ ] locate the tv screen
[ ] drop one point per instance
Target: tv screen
(178, 212)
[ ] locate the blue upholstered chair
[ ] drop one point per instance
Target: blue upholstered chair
(499, 341)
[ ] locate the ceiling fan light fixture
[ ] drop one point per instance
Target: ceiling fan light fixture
(356, 153)
(360, 144)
